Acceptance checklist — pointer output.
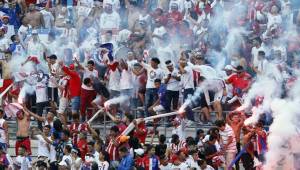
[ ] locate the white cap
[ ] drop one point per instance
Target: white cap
(34, 32)
(229, 67)
(205, 139)
(139, 151)
(62, 163)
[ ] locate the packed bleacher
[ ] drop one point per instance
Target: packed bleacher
(149, 84)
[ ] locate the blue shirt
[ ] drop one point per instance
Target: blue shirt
(126, 163)
(13, 14)
(155, 163)
(162, 95)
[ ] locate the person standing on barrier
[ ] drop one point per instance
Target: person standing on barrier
(75, 86)
(160, 104)
(172, 80)
(187, 82)
(153, 72)
(53, 78)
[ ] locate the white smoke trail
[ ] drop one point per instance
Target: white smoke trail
(267, 86)
(116, 100)
(25, 90)
(282, 131)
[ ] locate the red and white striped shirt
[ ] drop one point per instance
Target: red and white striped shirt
(75, 128)
(175, 148)
(112, 149)
(64, 84)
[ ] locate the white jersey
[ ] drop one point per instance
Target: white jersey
(214, 85)
(3, 136)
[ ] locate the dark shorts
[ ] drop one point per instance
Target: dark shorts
(203, 102)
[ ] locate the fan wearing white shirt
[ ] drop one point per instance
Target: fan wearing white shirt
(126, 82)
(179, 3)
(4, 43)
(158, 33)
(113, 76)
(153, 72)
(48, 18)
(217, 87)
(165, 165)
(10, 30)
(35, 47)
(115, 4)
(66, 161)
(22, 161)
(262, 63)
(43, 146)
(254, 52)
(16, 48)
(69, 32)
(103, 160)
(109, 19)
(172, 80)
(76, 160)
(24, 29)
(204, 166)
(89, 71)
(192, 160)
(41, 95)
(53, 78)
(274, 17)
(187, 82)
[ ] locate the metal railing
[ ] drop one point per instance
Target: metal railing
(137, 112)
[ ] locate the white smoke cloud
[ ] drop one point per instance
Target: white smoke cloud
(116, 100)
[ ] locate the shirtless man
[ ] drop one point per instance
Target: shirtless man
(34, 17)
(236, 121)
(23, 139)
(46, 120)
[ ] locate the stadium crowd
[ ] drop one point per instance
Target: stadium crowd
(62, 61)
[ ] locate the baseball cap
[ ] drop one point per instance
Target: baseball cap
(124, 138)
(72, 67)
(74, 150)
(239, 68)
(5, 16)
(139, 151)
(229, 67)
(34, 32)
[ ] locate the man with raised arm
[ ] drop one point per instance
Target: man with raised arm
(23, 139)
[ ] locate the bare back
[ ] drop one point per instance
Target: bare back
(35, 19)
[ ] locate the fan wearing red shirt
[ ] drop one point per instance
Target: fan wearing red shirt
(158, 15)
(82, 145)
(87, 95)
(175, 15)
(241, 81)
(113, 144)
(75, 86)
(76, 127)
(140, 131)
